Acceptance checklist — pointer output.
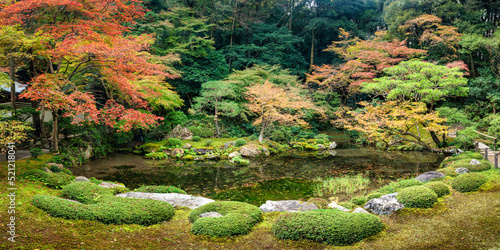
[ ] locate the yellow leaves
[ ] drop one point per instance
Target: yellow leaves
(283, 104)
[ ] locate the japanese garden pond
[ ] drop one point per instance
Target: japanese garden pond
(285, 176)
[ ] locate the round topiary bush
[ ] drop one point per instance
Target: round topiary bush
(417, 196)
(468, 182)
(160, 189)
(484, 165)
(240, 142)
(86, 192)
(331, 226)
(196, 138)
(173, 142)
(237, 218)
(409, 183)
(439, 188)
(114, 210)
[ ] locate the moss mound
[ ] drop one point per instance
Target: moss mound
(417, 197)
(358, 200)
(396, 186)
(86, 192)
(238, 218)
(160, 189)
(468, 182)
(114, 210)
(484, 165)
(331, 226)
(439, 188)
(52, 180)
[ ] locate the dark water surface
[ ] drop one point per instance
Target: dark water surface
(293, 167)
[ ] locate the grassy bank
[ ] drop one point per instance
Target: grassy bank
(457, 221)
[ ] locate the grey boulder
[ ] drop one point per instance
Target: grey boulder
(110, 185)
(360, 210)
(210, 214)
(386, 204)
(81, 179)
(339, 207)
(427, 176)
(332, 146)
(177, 200)
(474, 162)
(321, 147)
(287, 206)
(461, 170)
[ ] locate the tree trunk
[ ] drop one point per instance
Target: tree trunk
(36, 121)
(42, 124)
(261, 136)
(232, 32)
(55, 132)
(12, 72)
(292, 7)
(435, 138)
(312, 51)
(216, 122)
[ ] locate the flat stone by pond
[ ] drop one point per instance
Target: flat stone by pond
(284, 177)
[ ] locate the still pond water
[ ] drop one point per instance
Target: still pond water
(286, 176)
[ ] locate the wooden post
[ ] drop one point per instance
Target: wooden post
(496, 160)
(486, 153)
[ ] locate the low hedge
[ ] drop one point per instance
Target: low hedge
(439, 188)
(114, 210)
(331, 226)
(238, 218)
(417, 197)
(86, 192)
(468, 182)
(160, 189)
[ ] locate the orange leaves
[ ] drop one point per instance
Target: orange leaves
(273, 103)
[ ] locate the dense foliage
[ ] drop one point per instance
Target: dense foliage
(330, 226)
(468, 182)
(417, 196)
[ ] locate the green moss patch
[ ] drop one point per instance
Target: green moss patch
(238, 218)
(330, 226)
(417, 197)
(160, 189)
(86, 192)
(468, 182)
(465, 163)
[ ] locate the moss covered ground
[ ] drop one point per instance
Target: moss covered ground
(457, 221)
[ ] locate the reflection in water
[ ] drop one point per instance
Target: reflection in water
(202, 177)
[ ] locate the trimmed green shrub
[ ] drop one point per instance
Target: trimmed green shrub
(35, 152)
(348, 205)
(331, 226)
(417, 197)
(240, 142)
(174, 142)
(115, 210)
(448, 171)
(359, 200)
(196, 138)
(465, 163)
(468, 182)
(58, 180)
(253, 138)
(396, 186)
(207, 142)
(238, 218)
(160, 189)
(465, 155)
(86, 192)
(439, 188)
(320, 141)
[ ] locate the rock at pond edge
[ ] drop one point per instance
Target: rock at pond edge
(287, 206)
